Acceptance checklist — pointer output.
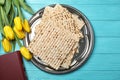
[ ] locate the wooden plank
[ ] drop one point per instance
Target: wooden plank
(78, 75)
(107, 45)
(82, 2)
(95, 62)
(106, 28)
(93, 12)
(100, 12)
(103, 62)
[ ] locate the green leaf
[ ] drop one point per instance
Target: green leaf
(16, 3)
(2, 2)
(4, 16)
(26, 7)
(11, 15)
(7, 6)
(13, 45)
(22, 0)
(14, 8)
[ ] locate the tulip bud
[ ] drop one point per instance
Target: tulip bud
(8, 32)
(25, 53)
(26, 26)
(6, 45)
(18, 23)
(20, 34)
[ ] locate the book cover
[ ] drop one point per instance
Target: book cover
(11, 67)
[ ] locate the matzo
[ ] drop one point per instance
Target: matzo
(67, 61)
(63, 18)
(56, 37)
(53, 54)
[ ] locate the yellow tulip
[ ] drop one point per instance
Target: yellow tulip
(20, 34)
(18, 23)
(26, 26)
(8, 32)
(25, 53)
(6, 45)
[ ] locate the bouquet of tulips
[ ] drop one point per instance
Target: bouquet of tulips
(13, 25)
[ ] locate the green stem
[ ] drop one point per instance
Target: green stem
(20, 13)
(1, 25)
(18, 41)
(3, 36)
(4, 16)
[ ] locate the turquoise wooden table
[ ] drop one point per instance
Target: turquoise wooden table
(104, 63)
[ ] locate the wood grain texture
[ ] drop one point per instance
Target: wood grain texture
(78, 75)
(106, 28)
(96, 61)
(104, 63)
(81, 2)
(92, 12)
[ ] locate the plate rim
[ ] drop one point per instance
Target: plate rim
(91, 47)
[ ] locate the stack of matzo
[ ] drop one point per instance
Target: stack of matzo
(56, 37)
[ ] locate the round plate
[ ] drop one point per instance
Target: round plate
(86, 44)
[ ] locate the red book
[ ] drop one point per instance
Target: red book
(11, 67)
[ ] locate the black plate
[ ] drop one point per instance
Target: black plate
(86, 44)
